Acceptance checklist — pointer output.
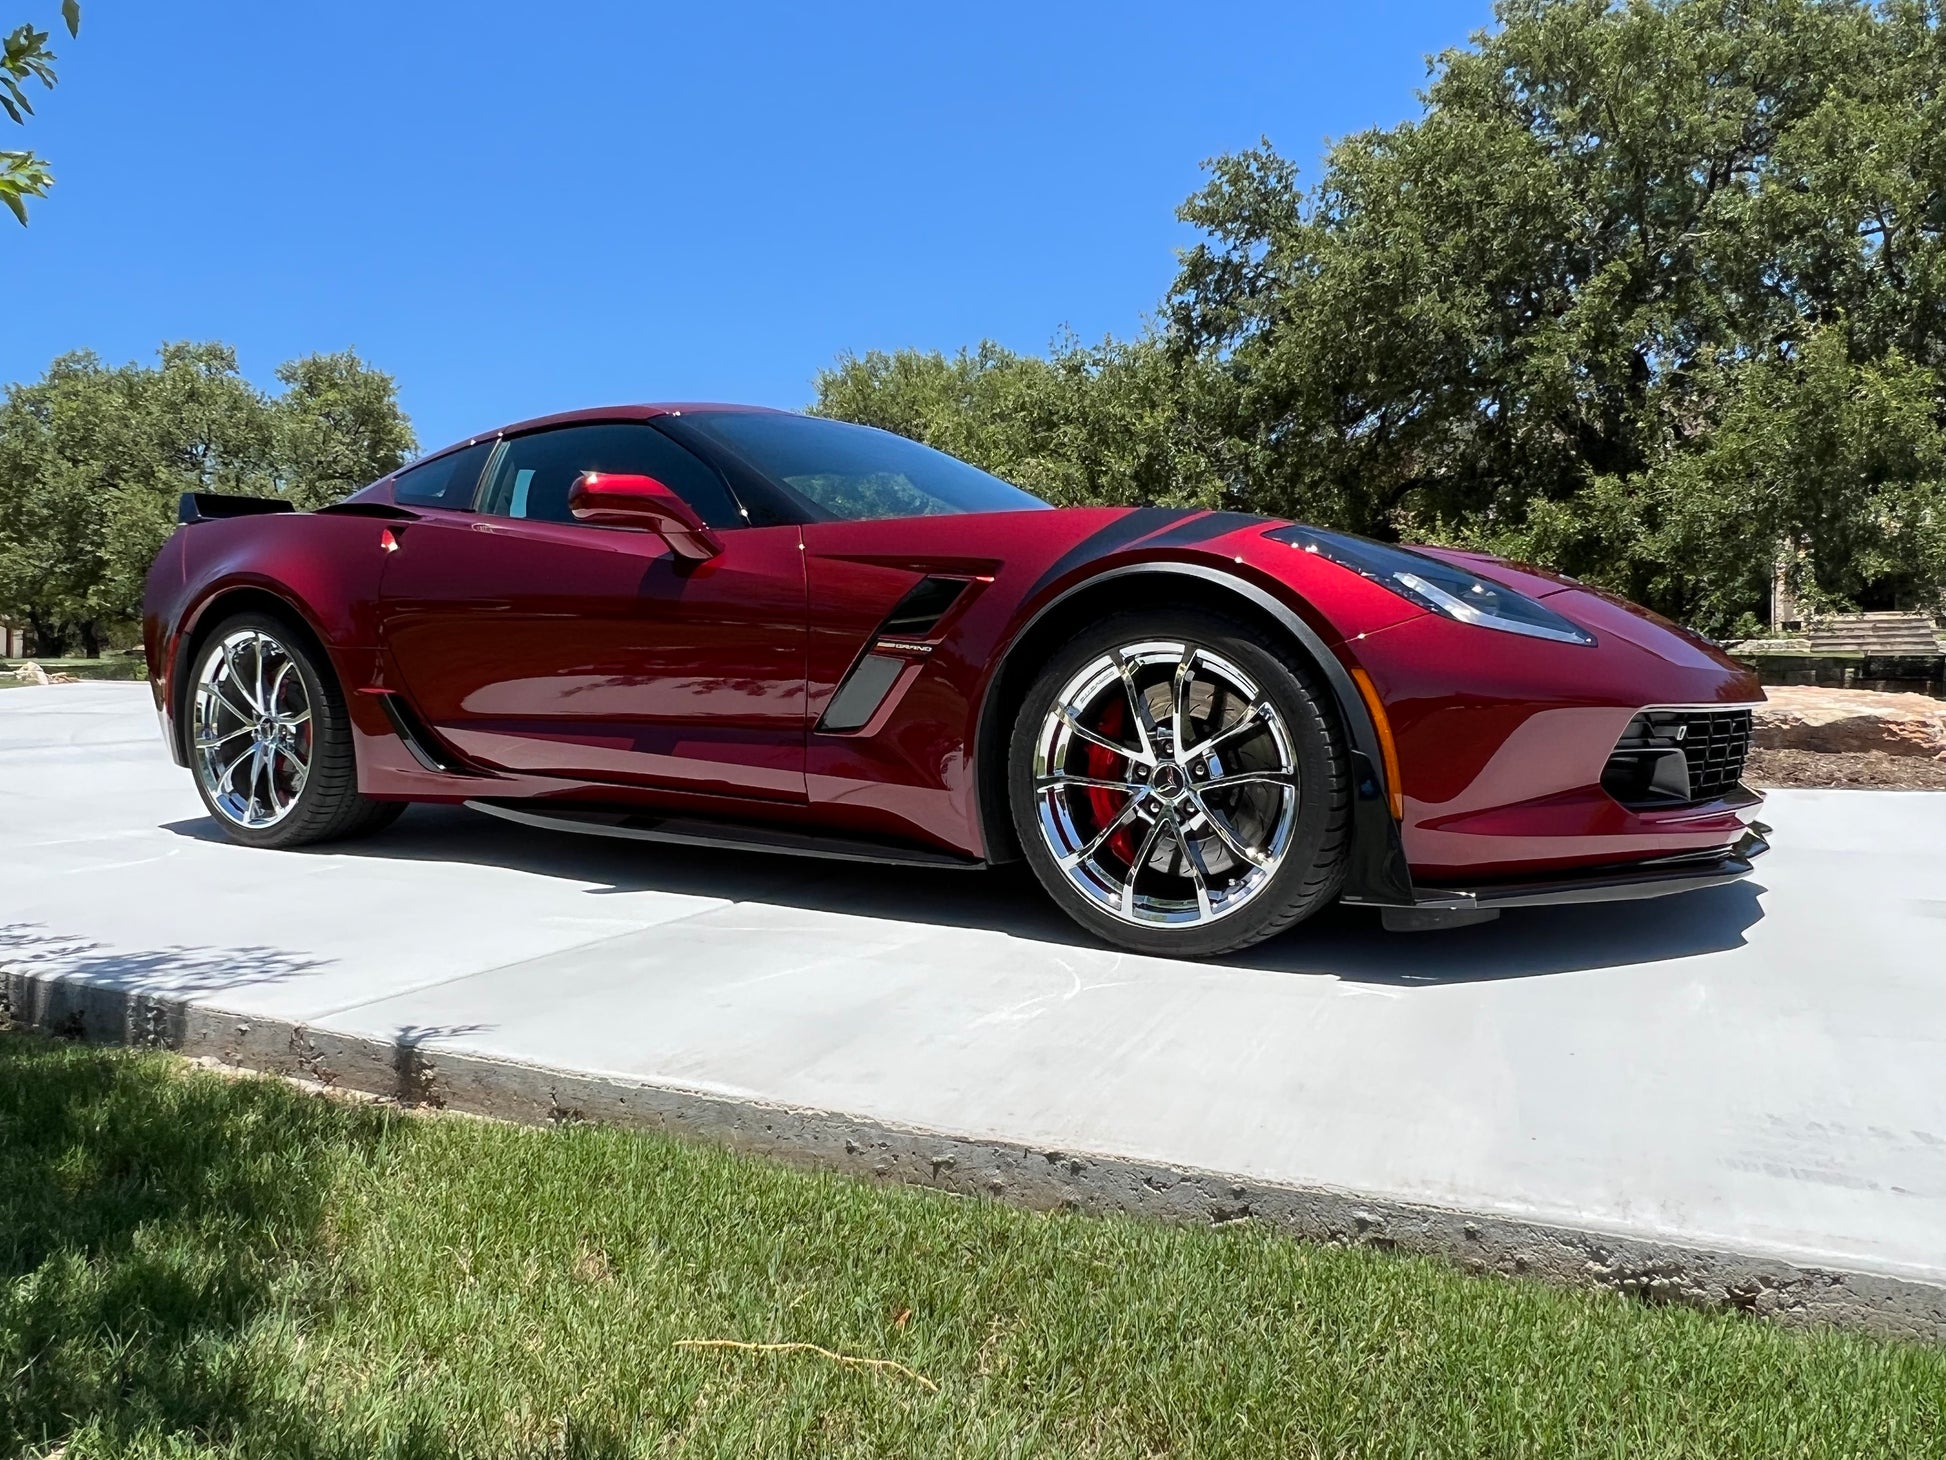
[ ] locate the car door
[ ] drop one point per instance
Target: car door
(535, 643)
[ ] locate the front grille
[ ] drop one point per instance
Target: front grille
(1678, 757)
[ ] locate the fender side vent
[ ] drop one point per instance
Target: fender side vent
(419, 738)
(923, 606)
(863, 691)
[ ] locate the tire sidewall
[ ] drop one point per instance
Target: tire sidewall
(1317, 747)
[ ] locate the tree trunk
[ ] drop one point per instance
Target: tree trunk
(90, 638)
(42, 641)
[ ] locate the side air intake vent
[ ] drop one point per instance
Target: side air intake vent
(1678, 757)
(901, 638)
(923, 607)
(419, 738)
(863, 691)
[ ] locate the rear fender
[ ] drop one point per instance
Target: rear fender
(320, 571)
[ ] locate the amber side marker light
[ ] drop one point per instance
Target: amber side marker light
(1388, 752)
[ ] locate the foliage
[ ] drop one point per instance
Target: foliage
(198, 1265)
(24, 57)
(1080, 426)
(1651, 289)
(93, 459)
(337, 427)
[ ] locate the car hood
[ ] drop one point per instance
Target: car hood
(1595, 609)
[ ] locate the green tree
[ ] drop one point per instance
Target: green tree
(24, 57)
(1112, 422)
(1650, 288)
(94, 458)
(336, 427)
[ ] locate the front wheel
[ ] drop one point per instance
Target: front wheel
(269, 740)
(1178, 785)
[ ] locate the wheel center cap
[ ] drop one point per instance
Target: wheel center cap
(1168, 782)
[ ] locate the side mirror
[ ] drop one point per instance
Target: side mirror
(613, 499)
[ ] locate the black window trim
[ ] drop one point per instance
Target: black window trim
(473, 498)
(503, 439)
(487, 473)
(747, 484)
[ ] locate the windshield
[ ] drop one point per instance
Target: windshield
(848, 473)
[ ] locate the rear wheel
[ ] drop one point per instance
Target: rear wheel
(1178, 786)
(269, 740)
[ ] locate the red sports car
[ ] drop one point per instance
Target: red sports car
(750, 628)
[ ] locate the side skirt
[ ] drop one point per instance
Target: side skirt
(695, 831)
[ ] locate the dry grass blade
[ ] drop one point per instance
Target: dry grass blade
(810, 1348)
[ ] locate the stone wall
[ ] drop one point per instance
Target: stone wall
(1888, 673)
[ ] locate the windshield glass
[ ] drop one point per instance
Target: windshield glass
(853, 473)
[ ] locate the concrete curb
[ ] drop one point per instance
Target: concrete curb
(405, 1071)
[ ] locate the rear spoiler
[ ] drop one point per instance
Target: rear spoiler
(207, 506)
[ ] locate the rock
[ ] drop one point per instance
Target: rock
(1802, 717)
(32, 673)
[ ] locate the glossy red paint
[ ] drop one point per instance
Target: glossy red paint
(1501, 753)
(596, 663)
(612, 499)
(324, 569)
(560, 649)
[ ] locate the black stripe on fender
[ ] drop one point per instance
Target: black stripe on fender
(1132, 526)
(1209, 525)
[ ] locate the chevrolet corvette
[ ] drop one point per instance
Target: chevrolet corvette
(753, 629)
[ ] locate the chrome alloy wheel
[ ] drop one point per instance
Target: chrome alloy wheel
(1166, 784)
(250, 732)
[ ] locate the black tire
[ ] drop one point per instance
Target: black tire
(326, 805)
(1311, 869)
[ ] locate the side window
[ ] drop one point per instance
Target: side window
(445, 481)
(535, 472)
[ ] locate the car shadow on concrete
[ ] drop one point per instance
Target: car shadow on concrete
(1340, 942)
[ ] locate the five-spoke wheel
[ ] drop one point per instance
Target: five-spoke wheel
(1174, 773)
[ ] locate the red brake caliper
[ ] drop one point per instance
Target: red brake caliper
(1105, 765)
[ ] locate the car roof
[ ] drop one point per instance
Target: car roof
(635, 411)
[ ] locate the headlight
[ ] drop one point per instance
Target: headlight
(1437, 586)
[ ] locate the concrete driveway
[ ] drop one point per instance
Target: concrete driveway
(1757, 1070)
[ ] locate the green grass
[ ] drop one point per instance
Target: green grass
(197, 1265)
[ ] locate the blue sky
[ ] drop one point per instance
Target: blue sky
(518, 209)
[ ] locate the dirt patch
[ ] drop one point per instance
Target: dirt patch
(1768, 769)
